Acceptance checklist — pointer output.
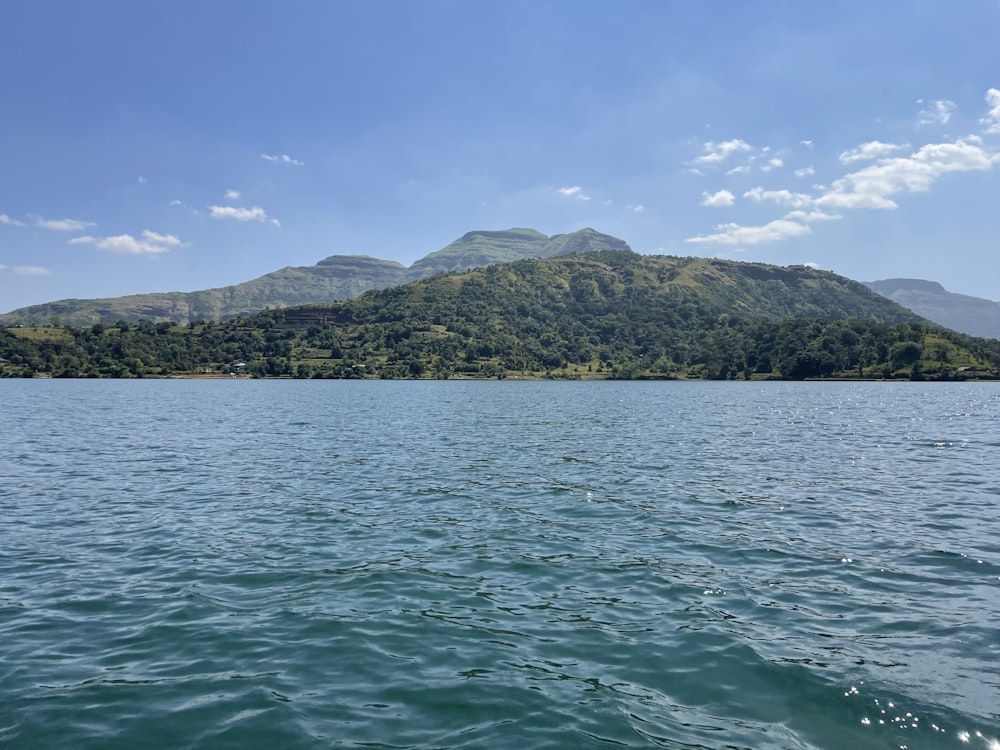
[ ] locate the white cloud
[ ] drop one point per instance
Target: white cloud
(283, 158)
(721, 198)
(808, 216)
(870, 151)
(742, 169)
(162, 239)
(63, 225)
(734, 234)
(781, 197)
(177, 202)
(772, 164)
(716, 153)
(871, 187)
(5, 219)
(805, 172)
(573, 192)
(151, 243)
(807, 144)
(238, 213)
(31, 271)
(635, 209)
(992, 120)
(233, 195)
(936, 113)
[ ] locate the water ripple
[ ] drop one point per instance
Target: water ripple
(467, 565)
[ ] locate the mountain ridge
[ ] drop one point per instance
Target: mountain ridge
(333, 278)
(342, 277)
(598, 315)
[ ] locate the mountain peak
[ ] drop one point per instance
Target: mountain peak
(489, 247)
(515, 233)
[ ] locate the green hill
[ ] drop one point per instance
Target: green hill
(338, 277)
(603, 314)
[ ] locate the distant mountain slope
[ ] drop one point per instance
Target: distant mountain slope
(972, 315)
(339, 277)
(335, 278)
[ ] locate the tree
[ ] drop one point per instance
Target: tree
(904, 354)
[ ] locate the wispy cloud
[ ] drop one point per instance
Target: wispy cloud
(239, 213)
(151, 243)
(936, 112)
(781, 197)
(233, 195)
(5, 219)
(282, 158)
(805, 172)
(142, 180)
(744, 157)
(574, 192)
(810, 216)
(720, 198)
(63, 225)
(30, 271)
(716, 153)
(870, 151)
(734, 234)
(991, 123)
(177, 202)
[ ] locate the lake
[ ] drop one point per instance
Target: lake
(313, 564)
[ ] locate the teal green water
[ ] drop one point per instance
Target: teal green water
(263, 564)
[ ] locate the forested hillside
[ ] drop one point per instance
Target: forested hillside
(609, 314)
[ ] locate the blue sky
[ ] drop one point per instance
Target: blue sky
(174, 146)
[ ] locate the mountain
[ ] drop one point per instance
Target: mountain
(602, 314)
(335, 278)
(972, 315)
(478, 249)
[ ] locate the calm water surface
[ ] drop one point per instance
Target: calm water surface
(263, 564)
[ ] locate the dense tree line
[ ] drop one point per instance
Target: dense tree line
(611, 315)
